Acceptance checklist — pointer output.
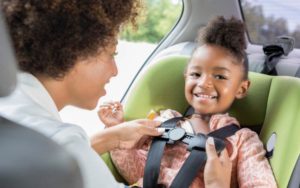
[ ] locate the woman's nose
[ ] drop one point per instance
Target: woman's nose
(114, 68)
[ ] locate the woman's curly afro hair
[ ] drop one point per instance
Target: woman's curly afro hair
(229, 34)
(49, 36)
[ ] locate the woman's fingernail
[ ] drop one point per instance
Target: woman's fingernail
(161, 130)
(210, 141)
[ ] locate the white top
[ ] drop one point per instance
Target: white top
(32, 106)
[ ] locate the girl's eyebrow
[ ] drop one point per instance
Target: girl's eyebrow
(221, 69)
(195, 67)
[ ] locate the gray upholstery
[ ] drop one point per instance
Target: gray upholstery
(295, 179)
(7, 63)
(287, 65)
(29, 159)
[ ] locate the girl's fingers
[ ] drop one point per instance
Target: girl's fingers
(113, 107)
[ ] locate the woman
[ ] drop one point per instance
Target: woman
(65, 50)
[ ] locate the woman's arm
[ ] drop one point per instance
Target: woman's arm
(217, 171)
(125, 135)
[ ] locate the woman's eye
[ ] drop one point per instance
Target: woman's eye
(220, 77)
(115, 54)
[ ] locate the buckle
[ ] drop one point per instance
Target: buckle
(173, 135)
(198, 142)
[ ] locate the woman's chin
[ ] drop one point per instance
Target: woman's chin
(103, 93)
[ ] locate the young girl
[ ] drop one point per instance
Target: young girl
(216, 75)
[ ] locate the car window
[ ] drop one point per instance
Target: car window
(134, 46)
(267, 19)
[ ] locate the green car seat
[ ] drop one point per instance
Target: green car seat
(272, 107)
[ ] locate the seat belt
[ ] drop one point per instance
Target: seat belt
(196, 146)
(283, 45)
(273, 53)
(298, 73)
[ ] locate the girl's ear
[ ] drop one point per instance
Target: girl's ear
(243, 89)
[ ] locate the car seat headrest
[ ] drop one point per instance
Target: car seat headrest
(8, 68)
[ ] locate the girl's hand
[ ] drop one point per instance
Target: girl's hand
(111, 113)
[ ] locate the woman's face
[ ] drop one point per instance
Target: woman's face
(86, 81)
(213, 80)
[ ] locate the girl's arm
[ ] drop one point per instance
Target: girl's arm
(253, 168)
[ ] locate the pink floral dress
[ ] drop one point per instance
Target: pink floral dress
(250, 168)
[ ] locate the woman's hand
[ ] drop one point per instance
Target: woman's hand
(132, 134)
(217, 171)
(127, 135)
(111, 113)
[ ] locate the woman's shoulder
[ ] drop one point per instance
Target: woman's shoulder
(65, 133)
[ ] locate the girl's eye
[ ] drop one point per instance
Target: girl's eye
(195, 75)
(220, 77)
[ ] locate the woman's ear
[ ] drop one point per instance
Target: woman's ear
(243, 89)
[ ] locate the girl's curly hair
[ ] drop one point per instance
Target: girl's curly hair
(229, 34)
(50, 35)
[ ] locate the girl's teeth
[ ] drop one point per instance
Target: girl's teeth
(205, 96)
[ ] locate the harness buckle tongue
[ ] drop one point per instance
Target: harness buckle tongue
(175, 134)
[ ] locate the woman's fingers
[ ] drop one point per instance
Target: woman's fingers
(224, 158)
(210, 149)
(217, 171)
(149, 127)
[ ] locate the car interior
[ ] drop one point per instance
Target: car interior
(29, 159)
(271, 108)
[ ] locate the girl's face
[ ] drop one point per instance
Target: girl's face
(213, 80)
(86, 81)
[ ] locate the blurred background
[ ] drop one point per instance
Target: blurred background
(265, 19)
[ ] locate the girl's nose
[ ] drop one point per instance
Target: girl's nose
(205, 82)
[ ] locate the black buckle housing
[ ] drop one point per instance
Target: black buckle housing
(173, 133)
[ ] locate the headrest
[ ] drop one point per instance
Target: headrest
(161, 86)
(8, 66)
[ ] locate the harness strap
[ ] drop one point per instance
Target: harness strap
(191, 166)
(152, 167)
(197, 159)
(155, 154)
(189, 169)
(224, 132)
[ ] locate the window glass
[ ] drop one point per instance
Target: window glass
(134, 46)
(267, 19)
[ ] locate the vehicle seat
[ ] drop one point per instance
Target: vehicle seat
(272, 105)
(29, 159)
